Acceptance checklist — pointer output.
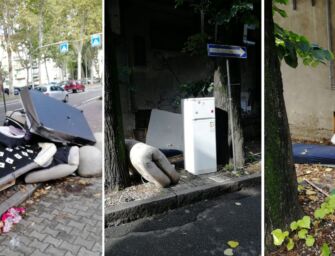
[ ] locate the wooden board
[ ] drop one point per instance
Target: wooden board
(5, 186)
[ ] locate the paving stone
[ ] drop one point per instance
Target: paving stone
(8, 252)
(85, 252)
(39, 253)
(26, 250)
(50, 240)
(77, 225)
(38, 235)
(50, 231)
(48, 216)
(59, 224)
(88, 244)
(97, 247)
(55, 251)
(70, 247)
(39, 245)
(63, 228)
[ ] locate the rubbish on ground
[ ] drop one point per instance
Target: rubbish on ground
(333, 139)
(64, 163)
(19, 160)
(316, 187)
(313, 154)
(90, 161)
(10, 217)
(98, 137)
(165, 130)
(54, 120)
(38, 140)
(151, 163)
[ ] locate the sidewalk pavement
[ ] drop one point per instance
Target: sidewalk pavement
(135, 203)
(62, 218)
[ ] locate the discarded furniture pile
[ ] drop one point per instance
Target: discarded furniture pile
(47, 140)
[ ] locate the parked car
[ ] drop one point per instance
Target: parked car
(74, 86)
(17, 91)
(62, 84)
(53, 91)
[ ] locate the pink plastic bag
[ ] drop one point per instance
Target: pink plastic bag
(10, 217)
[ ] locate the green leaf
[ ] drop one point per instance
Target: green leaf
(294, 226)
(301, 188)
(325, 250)
(290, 244)
(305, 222)
(228, 252)
(320, 213)
(233, 244)
(302, 233)
(279, 236)
(281, 12)
(310, 241)
(281, 1)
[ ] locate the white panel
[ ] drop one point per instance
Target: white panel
(165, 130)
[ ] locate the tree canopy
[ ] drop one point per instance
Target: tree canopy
(33, 24)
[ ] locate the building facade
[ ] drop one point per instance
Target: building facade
(310, 91)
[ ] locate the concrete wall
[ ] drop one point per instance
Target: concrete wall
(310, 101)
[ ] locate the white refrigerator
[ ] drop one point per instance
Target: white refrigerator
(199, 135)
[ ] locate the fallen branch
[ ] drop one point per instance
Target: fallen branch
(316, 187)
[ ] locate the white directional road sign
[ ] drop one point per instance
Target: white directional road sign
(96, 40)
(64, 47)
(226, 51)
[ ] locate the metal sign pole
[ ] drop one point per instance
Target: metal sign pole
(228, 51)
(2, 90)
(231, 113)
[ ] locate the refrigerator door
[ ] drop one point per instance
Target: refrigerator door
(203, 108)
(204, 146)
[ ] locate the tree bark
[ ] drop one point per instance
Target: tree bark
(116, 167)
(10, 61)
(222, 102)
(281, 196)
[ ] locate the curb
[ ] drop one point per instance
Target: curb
(19, 197)
(174, 199)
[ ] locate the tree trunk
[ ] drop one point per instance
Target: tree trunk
(46, 70)
(79, 60)
(40, 41)
(281, 196)
(10, 62)
(116, 167)
(222, 102)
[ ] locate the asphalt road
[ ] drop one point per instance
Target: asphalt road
(203, 228)
(75, 99)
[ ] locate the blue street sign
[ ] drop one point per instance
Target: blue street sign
(95, 40)
(226, 51)
(64, 47)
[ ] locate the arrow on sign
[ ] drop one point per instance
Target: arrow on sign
(227, 51)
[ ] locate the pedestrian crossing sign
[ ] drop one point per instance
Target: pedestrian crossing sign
(96, 40)
(64, 47)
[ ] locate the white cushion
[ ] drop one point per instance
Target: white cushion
(90, 161)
